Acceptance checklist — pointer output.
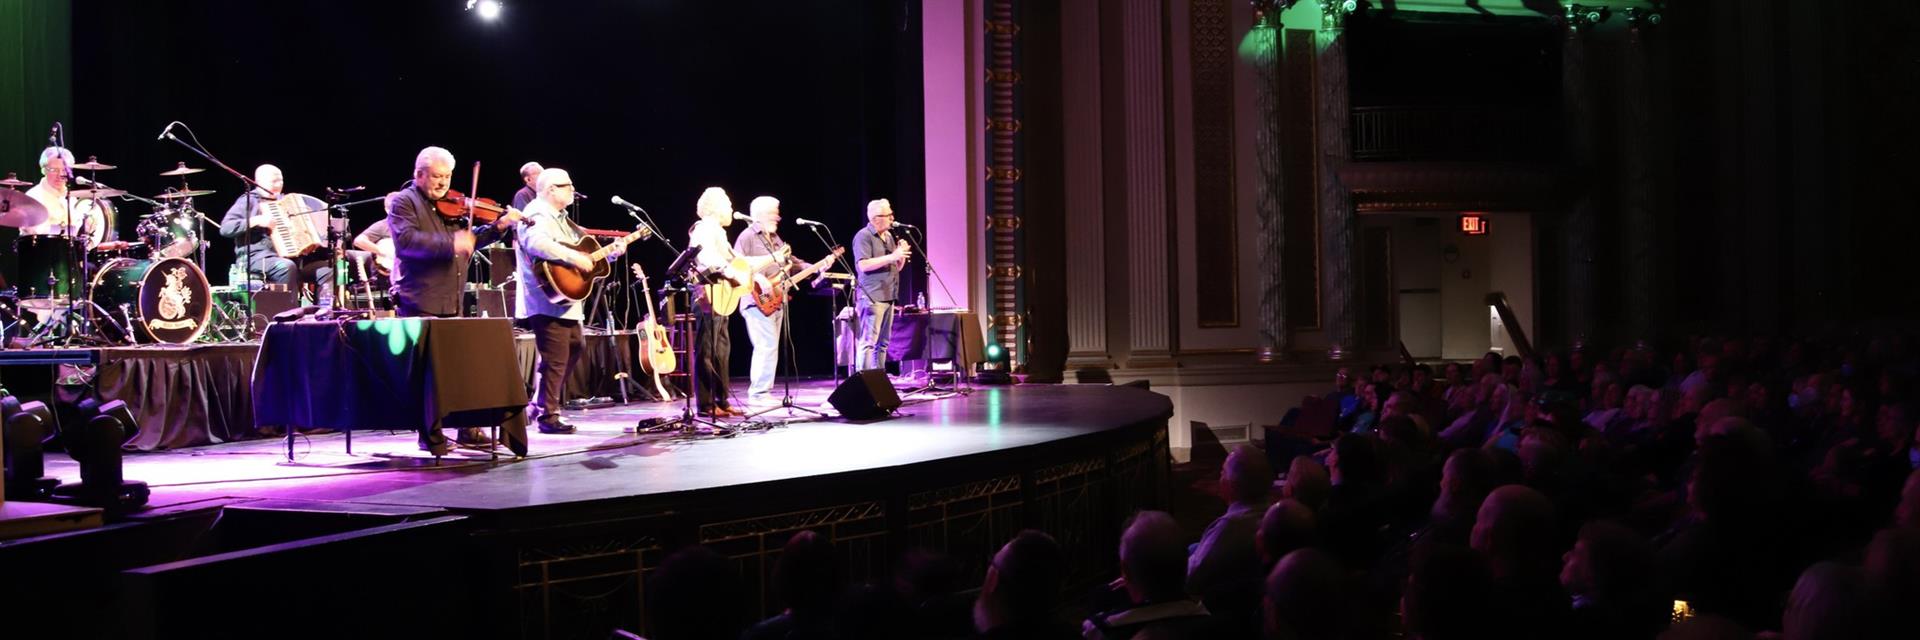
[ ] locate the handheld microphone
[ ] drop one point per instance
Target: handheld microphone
(807, 222)
(167, 131)
(622, 202)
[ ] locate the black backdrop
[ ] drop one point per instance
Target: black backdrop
(814, 102)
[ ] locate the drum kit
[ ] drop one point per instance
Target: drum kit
(79, 285)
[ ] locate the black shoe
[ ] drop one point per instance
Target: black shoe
(475, 436)
(556, 426)
(433, 441)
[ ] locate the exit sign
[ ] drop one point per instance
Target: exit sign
(1473, 224)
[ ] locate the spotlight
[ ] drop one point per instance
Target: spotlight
(95, 444)
(488, 9)
(25, 433)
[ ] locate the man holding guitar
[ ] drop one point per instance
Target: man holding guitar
(546, 234)
(728, 274)
(764, 316)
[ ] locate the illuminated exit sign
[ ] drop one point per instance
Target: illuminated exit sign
(1473, 224)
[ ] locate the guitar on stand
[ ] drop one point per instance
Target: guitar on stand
(656, 352)
(563, 283)
(769, 296)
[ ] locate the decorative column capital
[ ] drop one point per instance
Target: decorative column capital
(1266, 13)
(1333, 13)
(1581, 17)
(1639, 18)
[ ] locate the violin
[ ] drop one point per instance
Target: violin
(481, 210)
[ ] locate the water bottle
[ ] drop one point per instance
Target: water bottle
(236, 273)
(923, 301)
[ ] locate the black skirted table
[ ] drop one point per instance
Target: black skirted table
(399, 373)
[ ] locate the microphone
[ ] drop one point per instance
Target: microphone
(622, 202)
(577, 196)
(167, 131)
(53, 135)
(903, 225)
(346, 190)
(807, 222)
(741, 216)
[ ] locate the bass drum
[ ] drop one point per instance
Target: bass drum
(158, 300)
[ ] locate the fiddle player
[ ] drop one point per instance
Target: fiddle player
(252, 232)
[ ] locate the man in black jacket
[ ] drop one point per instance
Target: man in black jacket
(431, 251)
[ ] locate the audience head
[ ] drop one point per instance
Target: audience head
(1465, 480)
(1288, 525)
(1306, 597)
(693, 595)
(1023, 582)
(1153, 558)
(1355, 460)
(1830, 600)
(1608, 563)
(1307, 481)
(1246, 478)
(1446, 593)
(806, 577)
(1907, 514)
(1893, 565)
(1514, 528)
(1731, 481)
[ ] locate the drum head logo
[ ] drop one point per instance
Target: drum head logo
(173, 300)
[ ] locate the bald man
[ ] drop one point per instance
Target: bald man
(546, 234)
(252, 232)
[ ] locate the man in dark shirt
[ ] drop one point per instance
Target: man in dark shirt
(529, 173)
(762, 240)
(252, 231)
(432, 252)
(878, 258)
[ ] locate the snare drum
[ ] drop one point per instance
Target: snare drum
(109, 251)
(165, 300)
(47, 265)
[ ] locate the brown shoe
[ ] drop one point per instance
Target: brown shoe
(717, 412)
(734, 412)
(474, 436)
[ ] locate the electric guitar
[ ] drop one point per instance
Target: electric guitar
(563, 283)
(770, 296)
(656, 354)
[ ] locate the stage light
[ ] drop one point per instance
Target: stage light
(993, 369)
(26, 426)
(95, 444)
(488, 9)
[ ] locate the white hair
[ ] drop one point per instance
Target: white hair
(763, 205)
(431, 155)
(529, 168)
(260, 172)
(714, 203)
(550, 177)
(876, 207)
(50, 153)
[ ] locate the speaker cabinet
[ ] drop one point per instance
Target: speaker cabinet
(865, 396)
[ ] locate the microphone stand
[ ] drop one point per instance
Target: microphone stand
(253, 202)
(926, 329)
(785, 337)
(852, 265)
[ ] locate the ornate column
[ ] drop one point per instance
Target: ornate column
(1639, 159)
(1086, 245)
(1003, 181)
(1149, 314)
(1339, 231)
(1261, 50)
(1581, 225)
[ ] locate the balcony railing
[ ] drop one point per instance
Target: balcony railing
(1479, 133)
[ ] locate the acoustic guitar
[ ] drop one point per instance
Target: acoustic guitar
(562, 283)
(723, 293)
(656, 354)
(769, 296)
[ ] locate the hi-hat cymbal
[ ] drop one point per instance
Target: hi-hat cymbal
(181, 170)
(93, 164)
(18, 209)
(176, 195)
(14, 181)
(89, 194)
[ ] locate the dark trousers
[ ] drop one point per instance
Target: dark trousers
(559, 342)
(315, 268)
(716, 359)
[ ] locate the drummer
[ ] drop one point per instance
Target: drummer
(55, 166)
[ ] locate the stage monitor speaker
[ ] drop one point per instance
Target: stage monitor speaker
(271, 302)
(491, 303)
(865, 396)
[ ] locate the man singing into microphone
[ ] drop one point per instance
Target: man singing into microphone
(878, 258)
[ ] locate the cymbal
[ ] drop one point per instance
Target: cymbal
(181, 170)
(176, 195)
(89, 194)
(14, 181)
(18, 209)
(93, 164)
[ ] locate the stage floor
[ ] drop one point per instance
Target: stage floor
(606, 458)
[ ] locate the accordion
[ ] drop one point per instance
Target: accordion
(296, 232)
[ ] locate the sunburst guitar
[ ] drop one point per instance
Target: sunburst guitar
(563, 283)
